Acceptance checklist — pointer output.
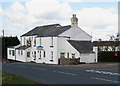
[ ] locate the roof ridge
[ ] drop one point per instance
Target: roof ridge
(48, 25)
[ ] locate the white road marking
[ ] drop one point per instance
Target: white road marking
(65, 73)
(39, 68)
(105, 80)
(103, 72)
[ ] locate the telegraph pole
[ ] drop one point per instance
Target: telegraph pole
(3, 32)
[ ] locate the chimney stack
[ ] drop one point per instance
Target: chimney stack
(74, 21)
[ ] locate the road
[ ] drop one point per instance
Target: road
(57, 74)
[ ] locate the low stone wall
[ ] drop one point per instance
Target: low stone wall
(69, 61)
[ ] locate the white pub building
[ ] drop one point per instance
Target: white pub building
(47, 44)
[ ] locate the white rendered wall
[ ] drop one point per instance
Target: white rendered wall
(76, 33)
(87, 57)
(46, 43)
(10, 56)
(21, 57)
(33, 46)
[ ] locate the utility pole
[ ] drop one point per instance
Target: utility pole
(3, 44)
(3, 32)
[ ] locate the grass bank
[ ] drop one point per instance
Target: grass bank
(9, 78)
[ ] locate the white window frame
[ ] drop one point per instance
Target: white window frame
(62, 54)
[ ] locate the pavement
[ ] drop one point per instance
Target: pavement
(98, 73)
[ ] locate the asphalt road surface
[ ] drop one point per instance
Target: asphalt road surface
(103, 73)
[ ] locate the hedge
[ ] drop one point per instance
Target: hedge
(108, 56)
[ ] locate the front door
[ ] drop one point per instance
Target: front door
(28, 57)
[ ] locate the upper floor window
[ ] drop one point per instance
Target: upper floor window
(34, 41)
(28, 42)
(40, 41)
(24, 41)
(51, 42)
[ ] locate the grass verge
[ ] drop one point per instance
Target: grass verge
(9, 78)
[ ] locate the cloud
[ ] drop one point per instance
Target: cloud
(48, 10)
(98, 21)
(33, 13)
(71, 0)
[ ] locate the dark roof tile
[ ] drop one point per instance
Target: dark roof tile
(82, 46)
(47, 30)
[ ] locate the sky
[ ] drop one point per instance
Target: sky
(98, 18)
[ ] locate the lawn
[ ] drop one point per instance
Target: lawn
(9, 78)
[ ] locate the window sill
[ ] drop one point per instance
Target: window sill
(51, 60)
(51, 46)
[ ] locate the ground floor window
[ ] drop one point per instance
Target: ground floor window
(28, 54)
(44, 53)
(21, 52)
(67, 55)
(18, 52)
(62, 55)
(73, 55)
(51, 56)
(40, 53)
(9, 52)
(13, 53)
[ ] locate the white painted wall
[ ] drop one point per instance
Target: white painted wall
(87, 57)
(76, 33)
(8, 54)
(46, 43)
(21, 57)
(71, 50)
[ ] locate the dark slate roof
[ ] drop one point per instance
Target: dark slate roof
(22, 47)
(82, 46)
(47, 30)
(106, 43)
(11, 47)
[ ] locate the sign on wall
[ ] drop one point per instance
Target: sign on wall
(39, 47)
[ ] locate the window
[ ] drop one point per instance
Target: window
(73, 55)
(51, 55)
(18, 52)
(40, 53)
(67, 55)
(34, 53)
(13, 53)
(34, 41)
(24, 41)
(40, 41)
(21, 52)
(51, 42)
(9, 52)
(28, 54)
(62, 55)
(44, 53)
